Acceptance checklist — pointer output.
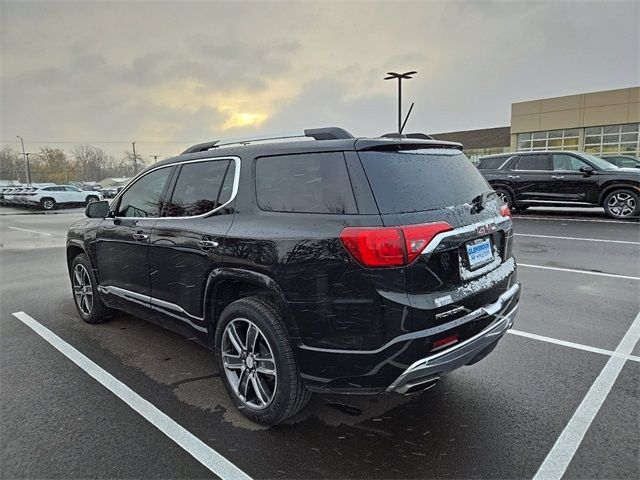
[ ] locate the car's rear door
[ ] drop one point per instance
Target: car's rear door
(465, 262)
(187, 240)
(530, 176)
(122, 239)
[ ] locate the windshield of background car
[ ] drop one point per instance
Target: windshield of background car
(417, 180)
(599, 162)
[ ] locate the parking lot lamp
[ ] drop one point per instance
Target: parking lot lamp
(400, 77)
(26, 160)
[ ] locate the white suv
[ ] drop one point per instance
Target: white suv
(50, 197)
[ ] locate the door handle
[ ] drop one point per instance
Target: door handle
(206, 244)
(557, 177)
(513, 176)
(140, 236)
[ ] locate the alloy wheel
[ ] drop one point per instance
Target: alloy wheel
(91, 200)
(48, 204)
(504, 197)
(82, 291)
(622, 204)
(249, 363)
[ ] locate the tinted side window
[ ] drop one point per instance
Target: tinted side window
(306, 183)
(492, 163)
(144, 198)
(532, 162)
(562, 161)
(198, 188)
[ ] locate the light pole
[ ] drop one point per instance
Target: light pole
(135, 159)
(26, 160)
(29, 166)
(400, 77)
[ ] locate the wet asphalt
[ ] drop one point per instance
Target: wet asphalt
(496, 419)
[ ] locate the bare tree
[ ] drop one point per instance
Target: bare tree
(11, 164)
(88, 162)
(52, 165)
(133, 164)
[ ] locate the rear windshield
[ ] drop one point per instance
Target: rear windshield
(417, 180)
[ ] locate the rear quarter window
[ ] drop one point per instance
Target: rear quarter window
(304, 183)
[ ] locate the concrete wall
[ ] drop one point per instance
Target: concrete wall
(611, 107)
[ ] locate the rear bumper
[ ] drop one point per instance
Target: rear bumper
(409, 359)
(431, 368)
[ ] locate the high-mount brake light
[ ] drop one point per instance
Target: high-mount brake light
(390, 246)
(504, 211)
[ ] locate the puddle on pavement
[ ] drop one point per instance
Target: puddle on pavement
(192, 373)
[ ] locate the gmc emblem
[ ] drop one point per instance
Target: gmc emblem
(486, 229)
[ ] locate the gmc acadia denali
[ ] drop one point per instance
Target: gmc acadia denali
(324, 263)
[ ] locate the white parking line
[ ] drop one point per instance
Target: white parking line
(207, 456)
(578, 346)
(30, 231)
(576, 238)
(559, 458)
(561, 219)
(572, 270)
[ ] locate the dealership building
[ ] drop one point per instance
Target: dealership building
(600, 123)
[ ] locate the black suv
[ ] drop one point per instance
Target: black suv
(562, 178)
(328, 263)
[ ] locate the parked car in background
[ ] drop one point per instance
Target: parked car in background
(340, 265)
(49, 198)
(623, 161)
(111, 192)
(563, 178)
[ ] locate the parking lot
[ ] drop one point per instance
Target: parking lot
(559, 396)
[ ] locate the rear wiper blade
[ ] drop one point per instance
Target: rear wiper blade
(478, 202)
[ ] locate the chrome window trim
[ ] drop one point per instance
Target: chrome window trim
(234, 190)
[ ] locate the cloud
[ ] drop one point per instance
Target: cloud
(176, 71)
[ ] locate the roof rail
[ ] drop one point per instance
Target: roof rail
(327, 133)
(200, 147)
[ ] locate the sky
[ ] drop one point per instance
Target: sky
(170, 74)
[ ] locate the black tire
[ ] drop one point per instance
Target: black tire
(521, 208)
(506, 196)
(288, 395)
(48, 203)
(621, 204)
(97, 312)
(91, 199)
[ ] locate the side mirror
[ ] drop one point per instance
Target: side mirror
(97, 209)
(588, 169)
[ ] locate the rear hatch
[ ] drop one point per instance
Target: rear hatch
(464, 259)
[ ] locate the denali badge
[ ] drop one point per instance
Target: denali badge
(486, 229)
(448, 313)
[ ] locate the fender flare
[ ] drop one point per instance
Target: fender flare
(260, 280)
(617, 184)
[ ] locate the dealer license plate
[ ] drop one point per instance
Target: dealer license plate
(479, 252)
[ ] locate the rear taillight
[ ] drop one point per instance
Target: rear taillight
(390, 246)
(504, 211)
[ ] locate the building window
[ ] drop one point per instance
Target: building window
(551, 140)
(613, 139)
